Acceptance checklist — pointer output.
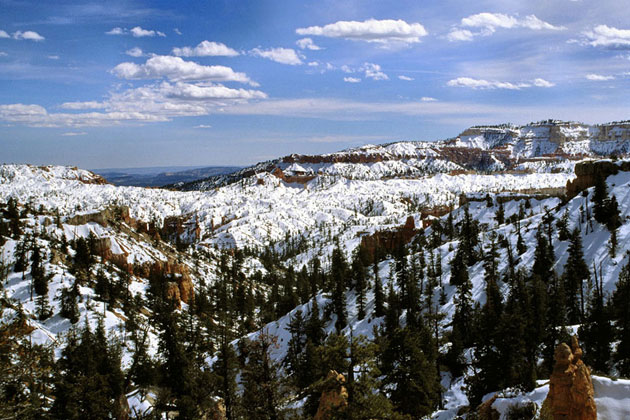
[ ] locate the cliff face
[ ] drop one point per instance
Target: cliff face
(588, 172)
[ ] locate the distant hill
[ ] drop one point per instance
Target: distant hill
(161, 175)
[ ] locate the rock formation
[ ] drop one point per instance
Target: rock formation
(571, 395)
(334, 396)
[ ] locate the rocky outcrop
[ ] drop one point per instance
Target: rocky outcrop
(588, 172)
(386, 241)
(110, 215)
(571, 394)
(334, 396)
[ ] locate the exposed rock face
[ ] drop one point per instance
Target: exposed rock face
(571, 395)
(334, 397)
(588, 172)
(389, 240)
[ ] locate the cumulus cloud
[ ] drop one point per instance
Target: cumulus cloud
(406, 78)
(427, 99)
(135, 52)
(189, 91)
(469, 82)
(53, 57)
(598, 77)
(137, 32)
(487, 23)
(155, 102)
(608, 37)
(116, 31)
(22, 35)
(458, 34)
(176, 69)
(206, 49)
(373, 71)
(3, 54)
(386, 31)
(279, 55)
(203, 126)
(307, 44)
(177, 31)
(351, 79)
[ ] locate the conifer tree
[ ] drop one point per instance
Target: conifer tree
(263, 390)
(410, 377)
(360, 279)
(574, 277)
(597, 333)
(600, 196)
(500, 214)
(621, 316)
(338, 278)
(379, 299)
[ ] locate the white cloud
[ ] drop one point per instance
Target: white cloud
(203, 126)
(135, 52)
(387, 31)
(189, 91)
(307, 44)
(116, 31)
(74, 133)
(53, 57)
(206, 49)
(139, 32)
(177, 31)
(488, 23)
(406, 78)
(82, 105)
(347, 69)
(427, 99)
(176, 69)
(136, 32)
(27, 35)
(4, 34)
(3, 54)
(598, 77)
(457, 34)
(486, 84)
(351, 79)
(543, 83)
(313, 64)
(279, 55)
(373, 71)
(608, 37)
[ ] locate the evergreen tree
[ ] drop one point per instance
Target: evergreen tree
(600, 196)
(379, 299)
(597, 332)
(621, 316)
(68, 303)
(409, 376)
(360, 279)
(575, 275)
(263, 390)
(499, 216)
(338, 278)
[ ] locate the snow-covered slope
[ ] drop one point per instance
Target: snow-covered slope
(538, 147)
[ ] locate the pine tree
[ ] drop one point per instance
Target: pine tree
(263, 390)
(500, 214)
(597, 332)
(379, 299)
(410, 377)
(293, 359)
(68, 302)
(621, 316)
(600, 196)
(575, 275)
(360, 280)
(338, 278)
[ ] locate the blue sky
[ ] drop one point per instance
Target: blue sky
(148, 83)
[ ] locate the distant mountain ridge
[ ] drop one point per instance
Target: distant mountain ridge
(545, 146)
(160, 176)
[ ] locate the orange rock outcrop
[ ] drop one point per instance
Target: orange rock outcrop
(334, 397)
(571, 394)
